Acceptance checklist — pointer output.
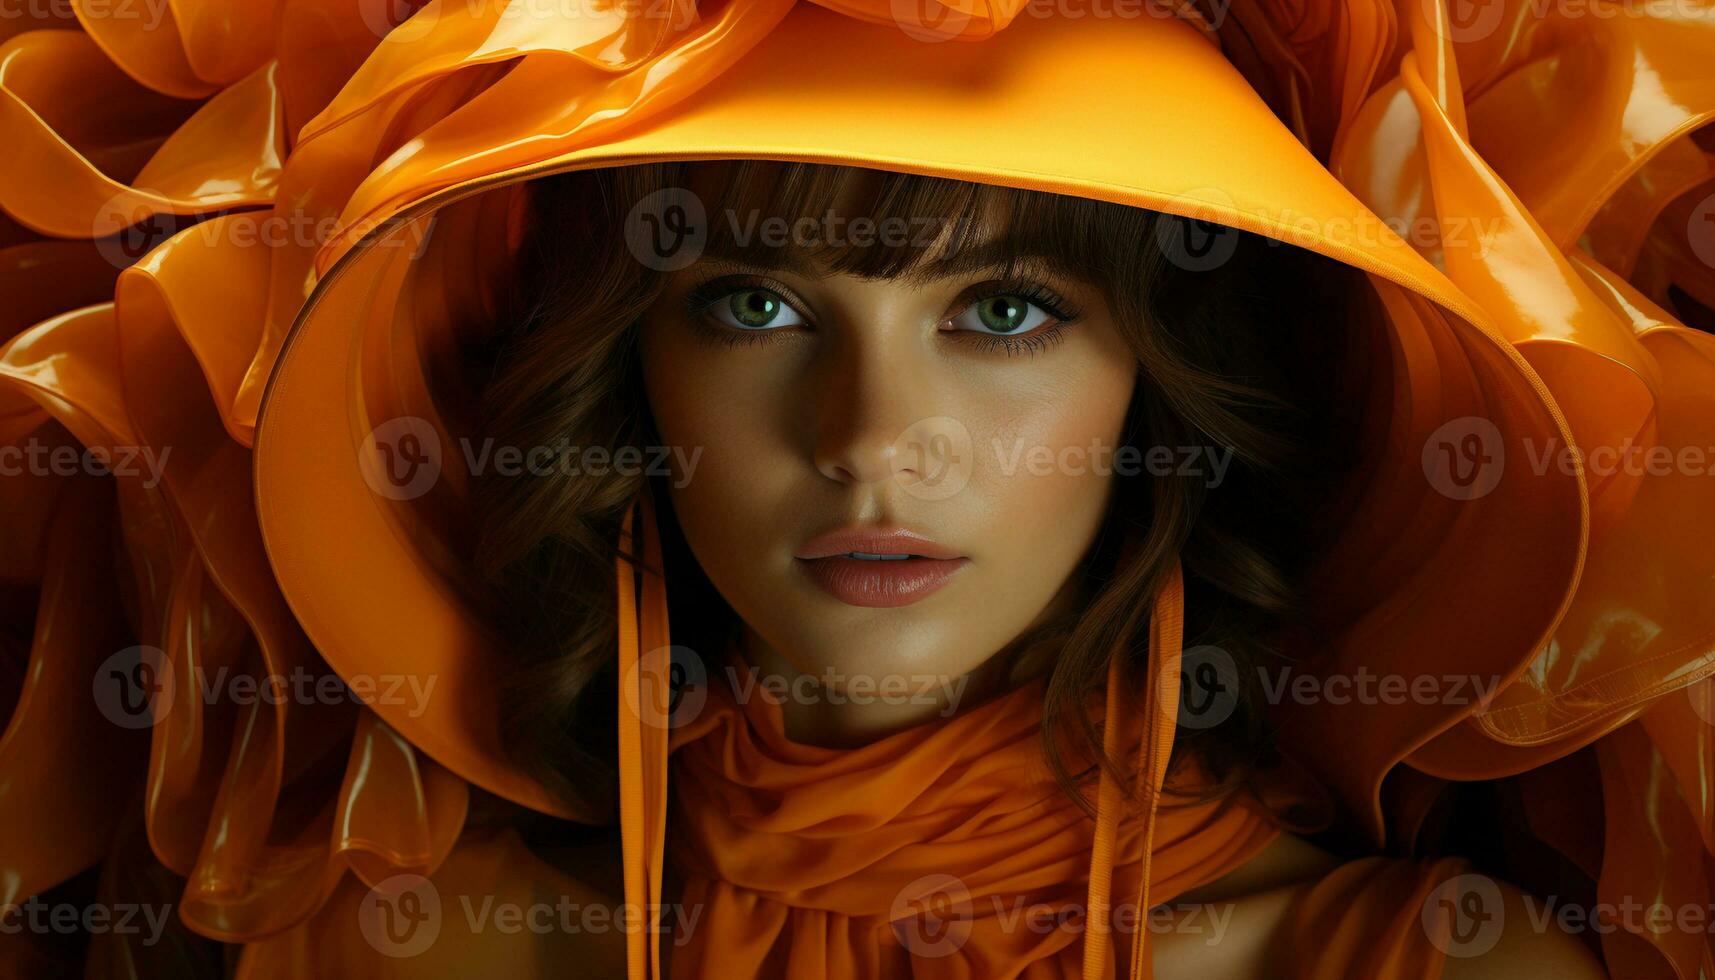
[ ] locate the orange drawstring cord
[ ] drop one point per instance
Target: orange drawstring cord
(645, 698)
(1166, 634)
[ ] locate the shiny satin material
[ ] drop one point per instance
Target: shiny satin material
(1560, 164)
(801, 855)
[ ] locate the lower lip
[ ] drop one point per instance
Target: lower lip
(882, 584)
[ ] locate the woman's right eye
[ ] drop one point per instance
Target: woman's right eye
(754, 309)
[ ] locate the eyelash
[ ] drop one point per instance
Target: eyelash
(705, 296)
(1051, 303)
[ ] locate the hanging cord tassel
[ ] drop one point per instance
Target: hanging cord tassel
(645, 700)
(1161, 714)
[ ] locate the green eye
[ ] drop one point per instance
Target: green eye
(756, 309)
(1003, 313)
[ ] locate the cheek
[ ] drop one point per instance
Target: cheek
(730, 460)
(1045, 467)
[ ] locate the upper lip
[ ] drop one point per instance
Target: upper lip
(874, 539)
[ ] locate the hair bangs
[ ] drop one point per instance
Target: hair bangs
(842, 220)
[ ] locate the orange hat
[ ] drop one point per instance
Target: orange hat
(1525, 306)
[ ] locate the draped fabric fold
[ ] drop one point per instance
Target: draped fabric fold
(196, 206)
(838, 860)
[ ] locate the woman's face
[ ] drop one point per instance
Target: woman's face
(961, 418)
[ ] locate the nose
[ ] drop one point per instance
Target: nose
(868, 390)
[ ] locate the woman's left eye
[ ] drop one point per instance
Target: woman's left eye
(755, 309)
(1003, 314)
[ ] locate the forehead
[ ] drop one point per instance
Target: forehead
(818, 220)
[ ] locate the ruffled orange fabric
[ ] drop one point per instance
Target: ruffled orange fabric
(1558, 159)
(840, 863)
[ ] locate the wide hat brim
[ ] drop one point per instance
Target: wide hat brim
(1151, 116)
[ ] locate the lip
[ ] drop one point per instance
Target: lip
(878, 583)
(874, 539)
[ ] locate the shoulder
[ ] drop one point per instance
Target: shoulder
(1287, 860)
(1286, 904)
(1529, 943)
(1231, 926)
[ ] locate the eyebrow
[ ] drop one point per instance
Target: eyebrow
(984, 256)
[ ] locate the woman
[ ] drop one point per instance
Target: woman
(389, 423)
(838, 363)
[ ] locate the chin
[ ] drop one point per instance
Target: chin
(912, 650)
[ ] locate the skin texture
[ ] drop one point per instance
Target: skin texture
(823, 424)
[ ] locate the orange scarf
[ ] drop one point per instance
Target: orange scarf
(939, 851)
(942, 851)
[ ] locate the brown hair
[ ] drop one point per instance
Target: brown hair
(1232, 355)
